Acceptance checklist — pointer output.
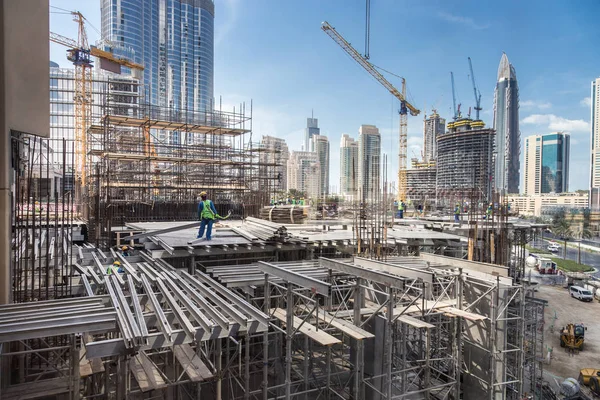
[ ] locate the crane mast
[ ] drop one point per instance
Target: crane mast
(475, 91)
(405, 106)
(453, 96)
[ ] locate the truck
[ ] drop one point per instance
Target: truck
(546, 266)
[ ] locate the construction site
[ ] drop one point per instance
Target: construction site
(112, 294)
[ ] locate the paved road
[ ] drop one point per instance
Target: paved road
(587, 258)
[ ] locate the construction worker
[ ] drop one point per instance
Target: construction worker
(457, 213)
(116, 265)
(125, 251)
(489, 211)
(206, 214)
(401, 206)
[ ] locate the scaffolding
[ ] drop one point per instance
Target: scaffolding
(149, 163)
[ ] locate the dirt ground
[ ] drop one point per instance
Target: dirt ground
(567, 309)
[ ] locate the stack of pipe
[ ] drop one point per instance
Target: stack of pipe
(283, 214)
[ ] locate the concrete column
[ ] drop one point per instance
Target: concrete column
(5, 230)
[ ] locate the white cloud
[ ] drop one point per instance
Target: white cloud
(586, 102)
(535, 104)
(555, 123)
(466, 21)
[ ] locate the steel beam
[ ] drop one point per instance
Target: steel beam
(316, 285)
(370, 275)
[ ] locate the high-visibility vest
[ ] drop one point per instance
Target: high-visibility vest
(207, 213)
(401, 206)
(457, 210)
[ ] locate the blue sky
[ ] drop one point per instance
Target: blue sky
(274, 53)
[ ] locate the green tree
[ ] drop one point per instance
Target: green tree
(296, 194)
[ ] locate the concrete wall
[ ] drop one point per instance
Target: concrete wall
(24, 99)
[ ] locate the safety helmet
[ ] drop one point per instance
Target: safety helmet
(117, 263)
(202, 194)
(491, 204)
(124, 248)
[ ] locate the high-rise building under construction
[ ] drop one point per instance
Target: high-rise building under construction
(507, 142)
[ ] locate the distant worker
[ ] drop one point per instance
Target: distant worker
(116, 265)
(401, 206)
(419, 210)
(489, 211)
(457, 213)
(272, 202)
(125, 251)
(206, 214)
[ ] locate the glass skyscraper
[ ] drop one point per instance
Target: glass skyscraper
(595, 148)
(173, 39)
(547, 163)
(507, 146)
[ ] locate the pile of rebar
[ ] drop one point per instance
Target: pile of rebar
(283, 214)
(265, 230)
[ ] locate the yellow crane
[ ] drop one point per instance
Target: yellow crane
(79, 53)
(405, 106)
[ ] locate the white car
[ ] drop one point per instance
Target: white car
(553, 248)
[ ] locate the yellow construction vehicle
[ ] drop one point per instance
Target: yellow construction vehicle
(572, 336)
(590, 377)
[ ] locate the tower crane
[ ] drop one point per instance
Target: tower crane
(79, 53)
(454, 97)
(405, 106)
(475, 91)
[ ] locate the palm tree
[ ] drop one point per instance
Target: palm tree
(562, 229)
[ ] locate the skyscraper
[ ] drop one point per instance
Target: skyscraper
(348, 165)
(304, 173)
(173, 39)
(320, 145)
(273, 164)
(507, 144)
(369, 166)
(312, 128)
(547, 163)
(595, 151)
(432, 128)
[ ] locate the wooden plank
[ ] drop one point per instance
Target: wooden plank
(465, 314)
(417, 323)
(309, 330)
(153, 374)
(97, 365)
(200, 366)
(135, 365)
(187, 365)
(344, 326)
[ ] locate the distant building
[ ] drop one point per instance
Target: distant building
(273, 161)
(421, 182)
(507, 143)
(595, 148)
(547, 204)
(320, 145)
(432, 128)
(369, 162)
(304, 173)
(547, 163)
(312, 128)
(348, 166)
(464, 162)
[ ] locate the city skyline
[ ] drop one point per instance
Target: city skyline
(554, 93)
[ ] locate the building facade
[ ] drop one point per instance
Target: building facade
(304, 173)
(173, 40)
(432, 128)
(464, 164)
(312, 129)
(320, 145)
(547, 204)
(547, 163)
(507, 142)
(348, 166)
(595, 145)
(369, 162)
(273, 161)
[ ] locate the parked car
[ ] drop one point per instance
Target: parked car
(580, 293)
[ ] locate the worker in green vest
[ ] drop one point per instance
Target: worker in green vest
(457, 213)
(207, 213)
(401, 206)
